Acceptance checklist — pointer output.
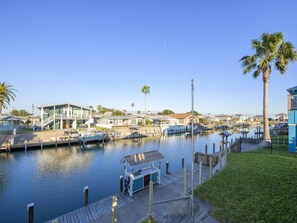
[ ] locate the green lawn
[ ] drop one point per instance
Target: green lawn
(255, 187)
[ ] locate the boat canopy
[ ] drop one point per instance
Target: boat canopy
(225, 134)
(140, 158)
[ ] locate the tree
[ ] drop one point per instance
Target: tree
(99, 108)
(138, 112)
(132, 105)
(146, 90)
(167, 112)
(6, 95)
(270, 50)
(118, 113)
(91, 107)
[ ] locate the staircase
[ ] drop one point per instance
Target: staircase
(48, 120)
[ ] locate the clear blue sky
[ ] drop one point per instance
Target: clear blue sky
(103, 52)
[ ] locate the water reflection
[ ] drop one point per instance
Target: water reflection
(62, 161)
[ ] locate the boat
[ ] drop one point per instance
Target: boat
(90, 136)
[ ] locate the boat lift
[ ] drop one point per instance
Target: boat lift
(140, 170)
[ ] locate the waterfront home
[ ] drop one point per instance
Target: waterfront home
(64, 116)
(185, 118)
(8, 123)
(240, 118)
(120, 120)
(282, 117)
(223, 118)
(160, 120)
(292, 122)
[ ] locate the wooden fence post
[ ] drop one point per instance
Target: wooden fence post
(210, 166)
(114, 209)
(151, 200)
(200, 172)
(185, 180)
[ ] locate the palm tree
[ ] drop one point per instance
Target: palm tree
(270, 50)
(146, 90)
(6, 95)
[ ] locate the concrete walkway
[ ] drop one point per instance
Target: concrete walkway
(246, 147)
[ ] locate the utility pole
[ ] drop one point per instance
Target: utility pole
(193, 156)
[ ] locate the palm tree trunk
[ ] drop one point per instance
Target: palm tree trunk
(1, 105)
(145, 105)
(267, 138)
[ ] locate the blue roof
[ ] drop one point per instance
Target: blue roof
(293, 90)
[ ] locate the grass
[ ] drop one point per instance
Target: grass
(255, 187)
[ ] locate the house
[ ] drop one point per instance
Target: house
(240, 118)
(185, 118)
(124, 120)
(8, 123)
(292, 121)
(67, 115)
(223, 118)
(282, 117)
(160, 120)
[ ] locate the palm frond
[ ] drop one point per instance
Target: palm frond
(257, 73)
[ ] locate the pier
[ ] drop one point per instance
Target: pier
(168, 195)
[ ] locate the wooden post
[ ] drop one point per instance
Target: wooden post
(151, 199)
(167, 167)
(121, 183)
(41, 144)
(213, 148)
(183, 162)
(185, 180)
(206, 149)
(200, 172)
(210, 166)
(114, 209)
(30, 209)
(220, 159)
(25, 146)
(86, 192)
(56, 137)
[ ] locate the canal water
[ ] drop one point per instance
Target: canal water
(53, 179)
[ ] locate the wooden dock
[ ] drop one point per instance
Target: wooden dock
(102, 207)
(46, 144)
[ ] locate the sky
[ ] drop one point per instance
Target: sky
(102, 52)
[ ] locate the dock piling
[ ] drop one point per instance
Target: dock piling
(41, 144)
(167, 167)
(114, 209)
(121, 183)
(86, 192)
(213, 148)
(206, 149)
(183, 162)
(30, 209)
